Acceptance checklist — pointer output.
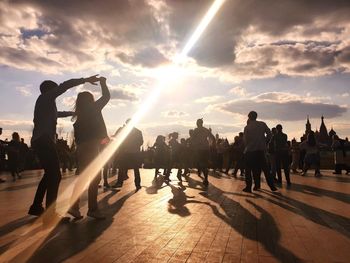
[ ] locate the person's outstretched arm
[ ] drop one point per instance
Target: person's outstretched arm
(63, 87)
(101, 102)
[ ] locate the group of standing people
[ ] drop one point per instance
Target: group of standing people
(16, 151)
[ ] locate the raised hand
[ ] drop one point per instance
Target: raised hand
(103, 79)
(92, 79)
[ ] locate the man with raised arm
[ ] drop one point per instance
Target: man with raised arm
(43, 142)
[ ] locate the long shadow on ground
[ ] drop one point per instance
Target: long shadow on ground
(66, 241)
(263, 229)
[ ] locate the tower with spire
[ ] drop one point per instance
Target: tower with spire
(307, 126)
(323, 135)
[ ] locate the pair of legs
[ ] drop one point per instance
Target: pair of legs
(14, 168)
(122, 175)
(203, 157)
(295, 162)
(86, 152)
(45, 149)
(272, 161)
(312, 159)
(239, 165)
(282, 160)
(255, 163)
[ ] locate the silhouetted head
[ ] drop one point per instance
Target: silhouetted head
(22, 140)
(199, 123)
(160, 139)
(84, 104)
(190, 132)
(252, 115)
(174, 135)
(311, 140)
(183, 141)
(15, 136)
(240, 134)
(279, 127)
(274, 130)
(47, 85)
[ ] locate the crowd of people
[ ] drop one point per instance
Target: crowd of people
(254, 151)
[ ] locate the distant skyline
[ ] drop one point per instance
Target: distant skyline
(284, 59)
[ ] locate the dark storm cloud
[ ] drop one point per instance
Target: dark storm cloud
(135, 34)
(344, 55)
(21, 58)
(268, 17)
(147, 57)
(76, 26)
(293, 110)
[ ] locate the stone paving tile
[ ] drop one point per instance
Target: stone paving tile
(310, 222)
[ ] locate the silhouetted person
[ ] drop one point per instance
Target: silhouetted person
(238, 153)
(191, 153)
(255, 137)
(312, 154)
(161, 154)
(43, 142)
(24, 149)
(89, 132)
(338, 147)
(175, 154)
(130, 156)
(13, 151)
(295, 156)
(201, 146)
(271, 153)
(280, 140)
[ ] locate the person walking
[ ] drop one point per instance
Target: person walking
(201, 146)
(130, 156)
(256, 134)
(280, 140)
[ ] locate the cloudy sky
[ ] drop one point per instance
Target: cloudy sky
(286, 59)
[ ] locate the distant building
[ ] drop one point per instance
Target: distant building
(322, 135)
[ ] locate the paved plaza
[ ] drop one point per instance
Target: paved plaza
(310, 222)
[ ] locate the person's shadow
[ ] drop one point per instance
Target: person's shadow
(264, 229)
(311, 190)
(157, 184)
(177, 204)
(317, 215)
(67, 240)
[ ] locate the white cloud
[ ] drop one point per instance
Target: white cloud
(281, 106)
(208, 99)
(174, 114)
(238, 90)
(25, 90)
